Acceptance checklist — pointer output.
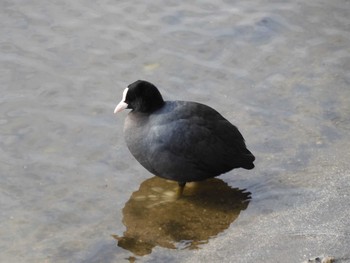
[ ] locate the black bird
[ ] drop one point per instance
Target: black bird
(182, 141)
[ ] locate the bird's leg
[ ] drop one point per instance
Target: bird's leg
(180, 189)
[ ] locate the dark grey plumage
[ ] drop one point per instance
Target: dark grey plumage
(181, 140)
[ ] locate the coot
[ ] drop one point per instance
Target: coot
(180, 140)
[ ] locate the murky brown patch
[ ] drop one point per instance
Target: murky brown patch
(154, 216)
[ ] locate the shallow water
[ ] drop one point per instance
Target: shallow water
(156, 216)
(279, 70)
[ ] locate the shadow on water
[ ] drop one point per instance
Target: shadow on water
(153, 216)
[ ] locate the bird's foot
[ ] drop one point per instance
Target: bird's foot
(180, 189)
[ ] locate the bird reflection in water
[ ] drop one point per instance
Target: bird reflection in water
(154, 216)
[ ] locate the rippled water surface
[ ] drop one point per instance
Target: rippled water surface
(71, 192)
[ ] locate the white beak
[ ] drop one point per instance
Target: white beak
(122, 104)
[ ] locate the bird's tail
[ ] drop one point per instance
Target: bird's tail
(248, 159)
